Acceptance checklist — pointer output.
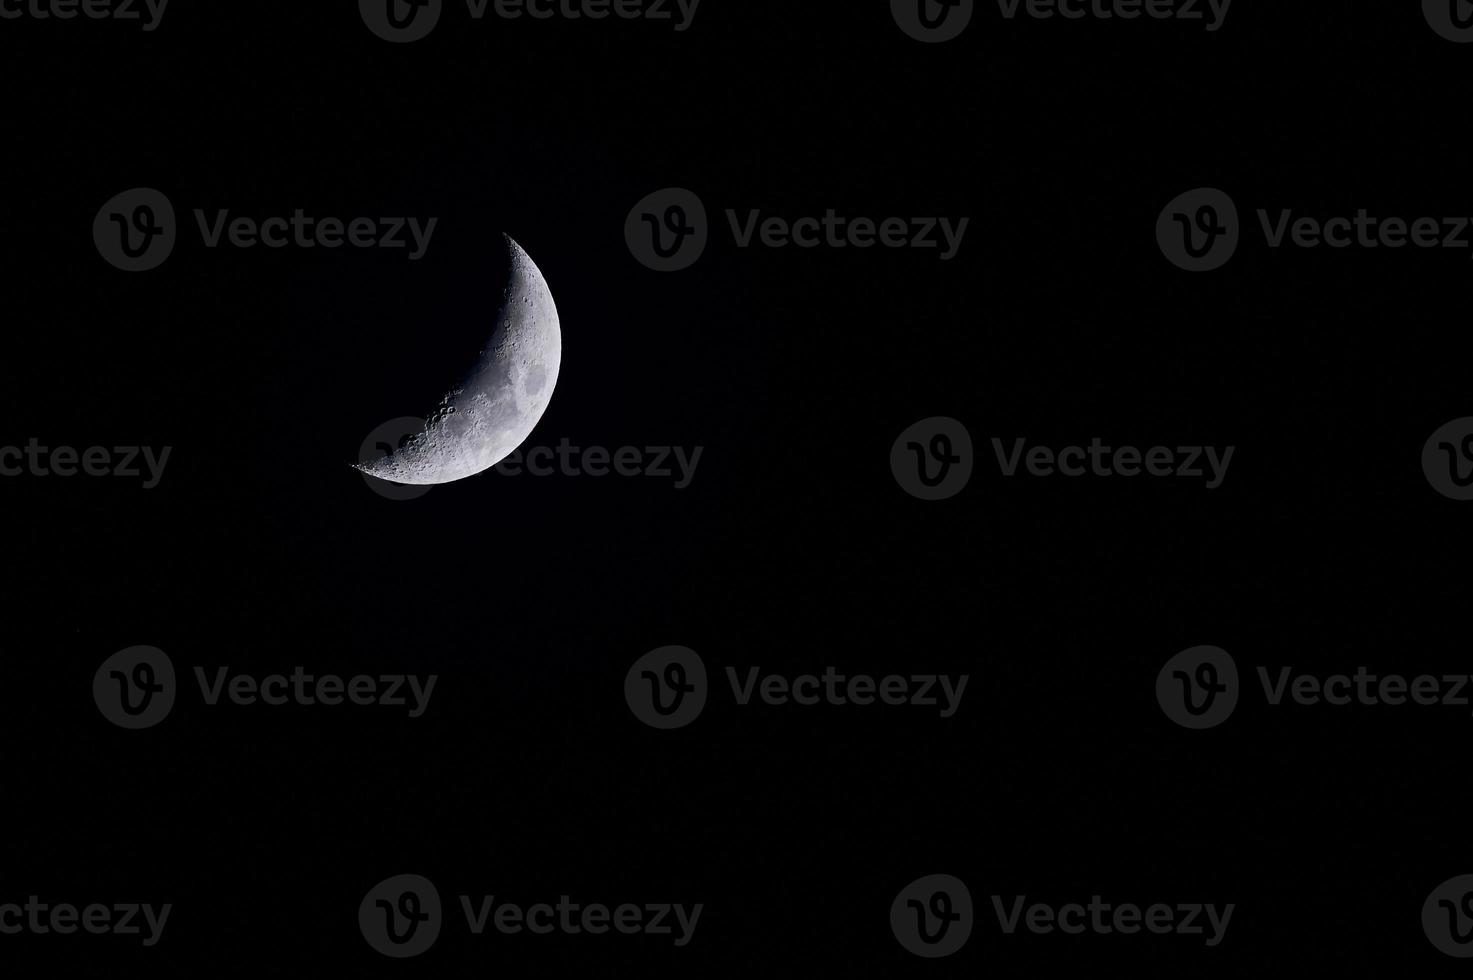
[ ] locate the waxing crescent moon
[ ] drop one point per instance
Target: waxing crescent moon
(489, 414)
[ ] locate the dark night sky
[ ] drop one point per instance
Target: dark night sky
(793, 548)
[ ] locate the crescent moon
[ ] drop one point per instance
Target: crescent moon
(480, 421)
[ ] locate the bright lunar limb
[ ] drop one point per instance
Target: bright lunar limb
(490, 413)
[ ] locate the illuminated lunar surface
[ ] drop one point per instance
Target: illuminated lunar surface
(489, 414)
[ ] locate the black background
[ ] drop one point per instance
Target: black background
(793, 548)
